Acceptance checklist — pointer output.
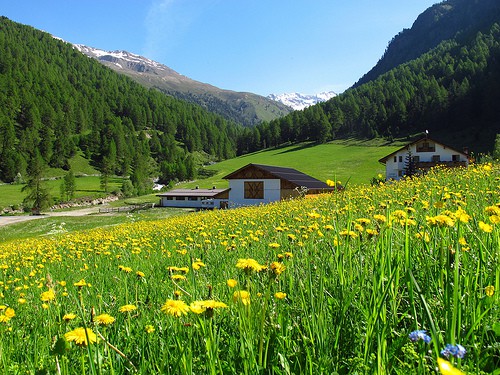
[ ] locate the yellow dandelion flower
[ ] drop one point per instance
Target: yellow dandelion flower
(68, 317)
(178, 277)
(104, 319)
(277, 268)
(48, 295)
(495, 219)
(199, 307)
(274, 245)
(21, 301)
(243, 296)
(249, 265)
(127, 308)
(81, 336)
(140, 274)
(175, 308)
(197, 264)
(232, 283)
(485, 227)
(291, 237)
(9, 312)
(489, 290)
(178, 269)
(380, 218)
(81, 283)
(149, 328)
(125, 269)
(280, 295)
(446, 368)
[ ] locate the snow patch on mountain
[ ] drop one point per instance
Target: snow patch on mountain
(299, 101)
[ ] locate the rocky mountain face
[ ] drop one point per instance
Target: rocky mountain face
(242, 107)
(300, 101)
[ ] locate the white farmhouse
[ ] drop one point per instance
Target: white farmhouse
(421, 155)
(195, 198)
(256, 184)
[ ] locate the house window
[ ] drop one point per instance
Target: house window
(254, 190)
(395, 159)
(426, 147)
(416, 159)
(193, 198)
(436, 158)
(400, 159)
(455, 157)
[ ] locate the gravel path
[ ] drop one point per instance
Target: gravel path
(6, 220)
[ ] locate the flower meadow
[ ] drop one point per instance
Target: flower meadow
(398, 278)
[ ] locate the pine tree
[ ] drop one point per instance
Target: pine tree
(38, 197)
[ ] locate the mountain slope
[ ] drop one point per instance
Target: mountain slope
(55, 102)
(443, 21)
(242, 107)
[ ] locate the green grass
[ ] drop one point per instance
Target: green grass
(344, 161)
(66, 224)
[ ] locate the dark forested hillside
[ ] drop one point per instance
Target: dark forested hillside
(449, 19)
(452, 91)
(55, 101)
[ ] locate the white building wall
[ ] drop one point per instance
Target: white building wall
(395, 169)
(272, 192)
(180, 203)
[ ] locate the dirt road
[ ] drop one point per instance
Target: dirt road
(6, 220)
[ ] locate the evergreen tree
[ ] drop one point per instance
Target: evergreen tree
(410, 168)
(496, 148)
(69, 185)
(38, 197)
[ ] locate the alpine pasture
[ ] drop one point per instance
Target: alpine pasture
(398, 278)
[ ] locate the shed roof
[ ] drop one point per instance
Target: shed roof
(289, 174)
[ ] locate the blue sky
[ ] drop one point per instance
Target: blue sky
(259, 46)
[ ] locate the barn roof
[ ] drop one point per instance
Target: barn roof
(289, 174)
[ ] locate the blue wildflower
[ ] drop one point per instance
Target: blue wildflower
(457, 351)
(420, 334)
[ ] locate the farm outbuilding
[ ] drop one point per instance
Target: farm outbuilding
(421, 155)
(195, 198)
(255, 184)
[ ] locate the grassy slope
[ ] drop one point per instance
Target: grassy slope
(356, 163)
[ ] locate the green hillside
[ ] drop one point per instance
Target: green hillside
(352, 162)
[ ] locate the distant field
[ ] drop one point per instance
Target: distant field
(345, 162)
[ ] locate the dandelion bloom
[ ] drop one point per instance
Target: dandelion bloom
(199, 307)
(446, 368)
(127, 308)
(140, 274)
(485, 227)
(81, 336)
(274, 245)
(175, 308)
(489, 290)
(280, 295)
(48, 296)
(104, 319)
(277, 268)
(68, 317)
(232, 283)
(9, 312)
(149, 328)
(380, 218)
(249, 265)
(178, 269)
(197, 264)
(243, 296)
(125, 269)
(81, 283)
(178, 277)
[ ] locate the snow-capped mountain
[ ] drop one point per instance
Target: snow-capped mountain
(300, 101)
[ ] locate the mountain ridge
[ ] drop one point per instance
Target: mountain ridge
(243, 107)
(299, 101)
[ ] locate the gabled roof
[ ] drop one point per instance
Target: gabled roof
(291, 175)
(208, 193)
(385, 158)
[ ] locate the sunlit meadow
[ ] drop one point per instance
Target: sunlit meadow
(400, 278)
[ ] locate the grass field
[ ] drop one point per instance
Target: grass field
(352, 162)
(398, 278)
